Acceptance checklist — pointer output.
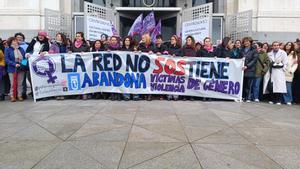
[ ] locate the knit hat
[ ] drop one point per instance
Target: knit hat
(42, 33)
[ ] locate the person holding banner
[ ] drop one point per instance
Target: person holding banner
(189, 50)
(207, 50)
(97, 47)
(114, 45)
(174, 50)
(225, 49)
(160, 48)
(274, 80)
(128, 45)
(146, 46)
(14, 55)
(59, 46)
(250, 54)
(104, 40)
(79, 46)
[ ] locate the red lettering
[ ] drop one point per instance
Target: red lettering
(180, 66)
(160, 67)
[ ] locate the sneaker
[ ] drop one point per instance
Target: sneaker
(270, 102)
(12, 99)
(248, 101)
(20, 98)
(289, 103)
(278, 103)
(256, 100)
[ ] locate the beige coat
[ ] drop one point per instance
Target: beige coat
(277, 76)
(291, 67)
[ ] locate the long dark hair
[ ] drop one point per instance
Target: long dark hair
(131, 42)
(193, 41)
(94, 47)
(2, 45)
(63, 38)
(292, 50)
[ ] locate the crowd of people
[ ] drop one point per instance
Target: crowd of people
(271, 71)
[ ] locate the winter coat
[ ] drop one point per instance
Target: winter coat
(262, 64)
(142, 47)
(188, 51)
(10, 59)
(36, 47)
(222, 52)
(57, 47)
(291, 67)
(250, 61)
(174, 50)
(205, 53)
(83, 48)
(276, 75)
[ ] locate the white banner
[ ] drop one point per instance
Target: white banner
(136, 73)
(95, 27)
(199, 29)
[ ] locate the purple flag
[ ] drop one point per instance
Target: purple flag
(148, 23)
(156, 31)
(137, 26)
(114, 30)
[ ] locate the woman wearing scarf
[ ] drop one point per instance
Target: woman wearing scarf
(80, 46)
(14, 55)
(113, 46)
(59, 46)
(207, 50)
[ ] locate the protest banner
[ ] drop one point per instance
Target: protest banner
(199, 29)
(95, 27)
(136, 73)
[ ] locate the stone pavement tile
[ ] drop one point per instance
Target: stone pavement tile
(174, 130)
(205, 120)
(107, 153)
(287, 156)
(138, 152)
(226, 136)
(248, 154)
(214, 160)
(270, 136)
(98, 124)
(63, 125)
(126, 117)
(181, 158)
(33, 133)
(11, 124)
(113, 135)
(65, 156)
(233, 107)
(20, 106)
(289, 118)
(139, 134)
(145, 119)
(256, 122)
(198, 132)
(24, 154)
(260, 109)
(231, 118)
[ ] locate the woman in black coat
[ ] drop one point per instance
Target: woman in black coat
(250, 54)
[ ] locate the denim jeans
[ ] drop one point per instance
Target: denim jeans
(287, 97)
(256, 88)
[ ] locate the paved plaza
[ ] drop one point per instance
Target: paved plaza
(97, 134)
